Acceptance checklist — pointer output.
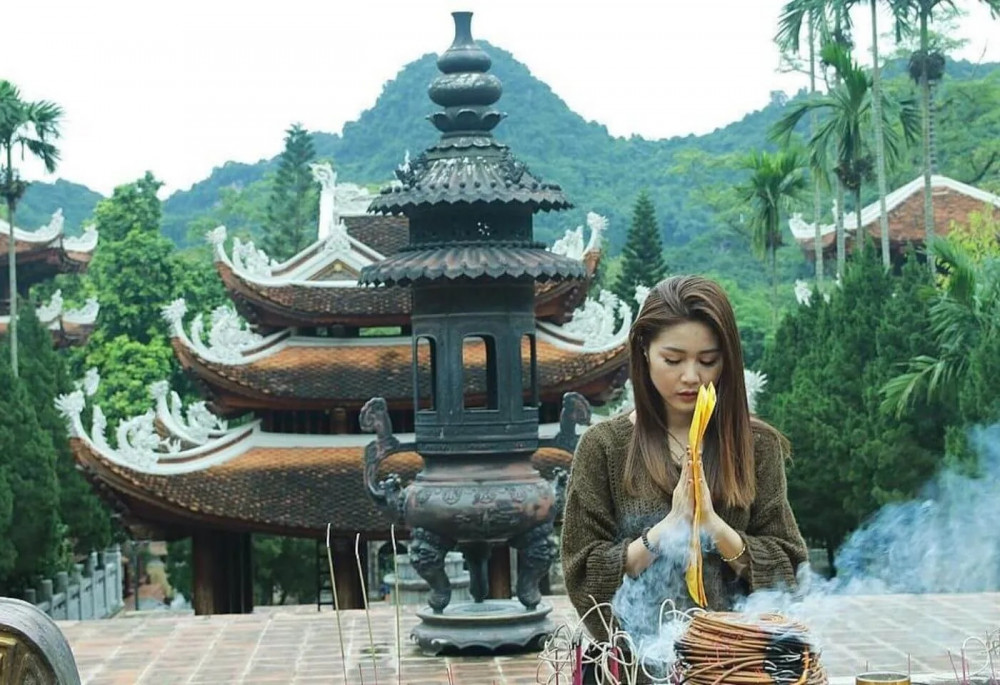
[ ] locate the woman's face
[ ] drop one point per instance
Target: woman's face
(682, 358)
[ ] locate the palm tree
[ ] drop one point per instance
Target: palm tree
(923, 11)
(32, 126)
(832, 21)
(775, 181)
(793, 14)
(848, 117)
(879, 126)
(790, 24)
(967, 308)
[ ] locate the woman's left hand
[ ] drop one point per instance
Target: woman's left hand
(709, 520)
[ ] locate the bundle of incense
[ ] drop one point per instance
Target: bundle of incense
(699, 423)
(746, 650)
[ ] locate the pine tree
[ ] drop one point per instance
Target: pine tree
(642, 256)
(45, 376)
(825, 369)
(28, 457)
(293, 207)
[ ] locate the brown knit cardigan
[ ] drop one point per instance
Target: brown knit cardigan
(601, 520)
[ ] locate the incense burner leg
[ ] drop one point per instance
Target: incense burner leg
(535, 552)
(477, 556)
(427, 554)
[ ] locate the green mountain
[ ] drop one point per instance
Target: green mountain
(42, 199)
(599, 172)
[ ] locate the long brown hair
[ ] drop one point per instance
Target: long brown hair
(729, 450)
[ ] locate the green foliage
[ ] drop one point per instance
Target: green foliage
(284, 568)
(127, 368)
(31, 127)
(131, 206)
(44, 375)
(179, 567)
(775, 184)
(642, 257)
(293, 206)
(824, 369)
(242, 210)
(959, 368)
(133, 271)
(134, 279)
(27, 458)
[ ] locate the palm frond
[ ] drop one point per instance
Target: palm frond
(959, 266)
(899, 392)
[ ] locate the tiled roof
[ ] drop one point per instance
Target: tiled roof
(307, 373)
(293, 490)
(64, 333)
(906, 215)
(466, 170)
(318, 303)
(473, 261)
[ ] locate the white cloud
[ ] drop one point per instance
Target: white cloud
(179, 87)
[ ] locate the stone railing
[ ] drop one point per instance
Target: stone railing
(93, 590)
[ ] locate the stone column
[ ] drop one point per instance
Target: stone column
(78, 582)
(62, 587)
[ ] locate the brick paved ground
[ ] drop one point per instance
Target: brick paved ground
(294, 645)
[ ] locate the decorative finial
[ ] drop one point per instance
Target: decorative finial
(464, 88)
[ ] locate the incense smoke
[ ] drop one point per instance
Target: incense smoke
(947, 540)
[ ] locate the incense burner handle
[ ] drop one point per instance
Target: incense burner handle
(388, 493)
(575, 412)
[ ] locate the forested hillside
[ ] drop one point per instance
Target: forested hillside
(602, 173)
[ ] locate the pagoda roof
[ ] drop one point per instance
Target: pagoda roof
(466, 170)
(68, 326)
(953, 202)
(49, 245)
(319, 286)
(243, 369)
(174, 467)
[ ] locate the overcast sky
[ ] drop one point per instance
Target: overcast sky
(182, 86)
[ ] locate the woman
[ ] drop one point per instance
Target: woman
(629, 488)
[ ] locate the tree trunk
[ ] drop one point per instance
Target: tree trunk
(860, 236)
(841, 238)
(12, 267)
(925, 93)
(774, 286)
(883, 216)
(817, 237)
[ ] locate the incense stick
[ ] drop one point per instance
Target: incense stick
(336, 602)
(368, 617)
(395, 600)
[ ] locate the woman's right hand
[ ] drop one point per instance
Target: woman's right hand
(682, 502)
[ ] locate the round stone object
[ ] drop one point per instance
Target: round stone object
(33, 651)
(492, 625)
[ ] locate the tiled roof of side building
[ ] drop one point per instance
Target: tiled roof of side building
(288, 490)
(317, 372)
(319, 286)
(953, 202)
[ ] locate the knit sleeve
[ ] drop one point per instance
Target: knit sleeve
(593, 559)
(775, 546)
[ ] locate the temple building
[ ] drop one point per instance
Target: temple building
(953, 202)
(41, 254)
(277, 446)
